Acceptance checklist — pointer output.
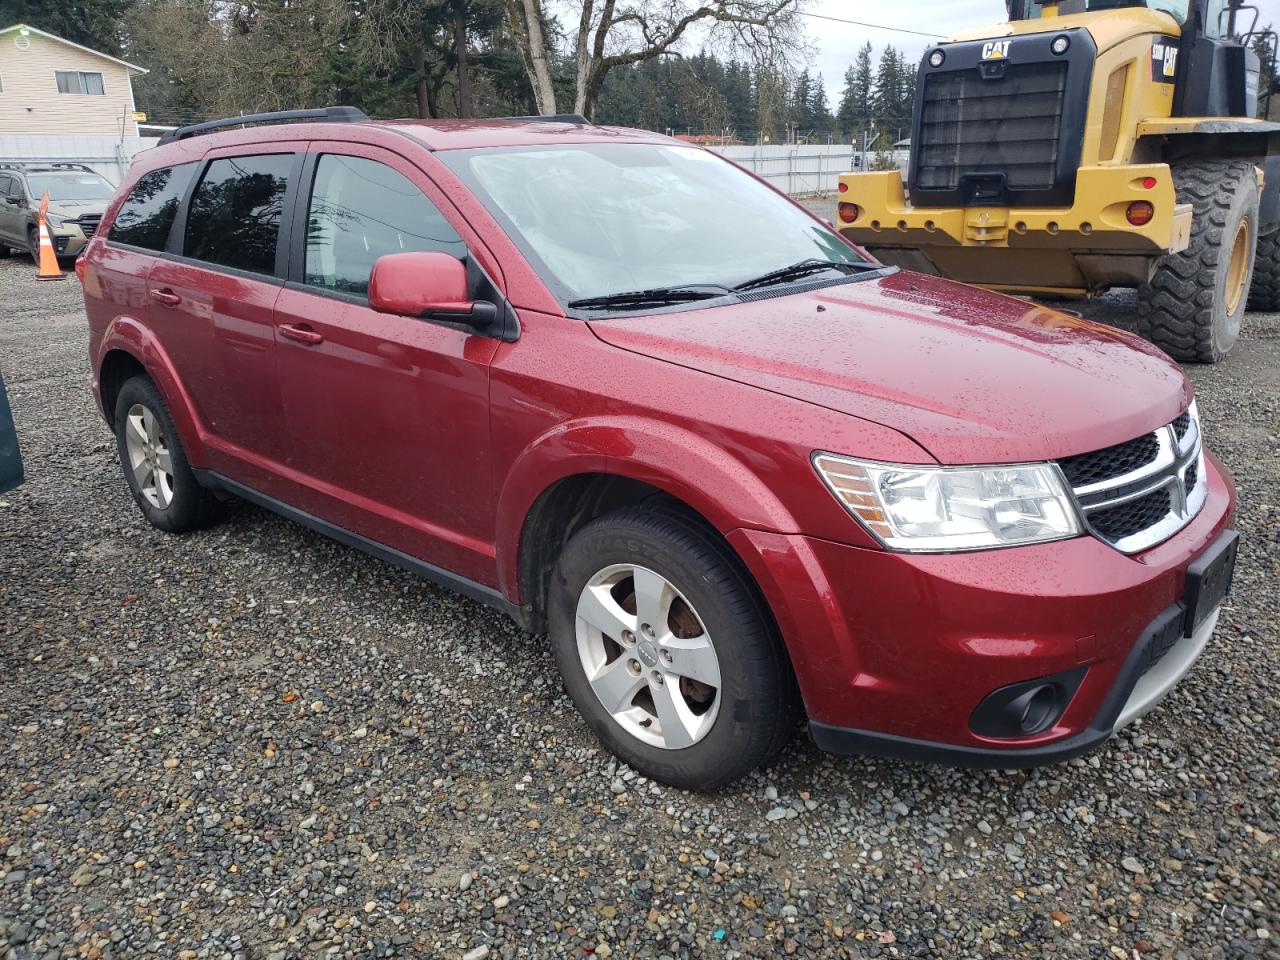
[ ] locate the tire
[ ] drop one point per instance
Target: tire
(1194, 303)
(180, 503)
(753, 711)
(33, 245)
(1264, 294)
(5, 252)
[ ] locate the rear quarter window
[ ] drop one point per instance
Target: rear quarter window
(147, 215)
(235, 212)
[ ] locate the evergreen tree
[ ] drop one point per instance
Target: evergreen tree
(855, 102)
(820, 119)
(886, 100)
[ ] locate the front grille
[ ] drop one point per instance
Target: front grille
(1137, 493)
(1010, 126)
(1116, 523)
(89, 226)
(1110, 462)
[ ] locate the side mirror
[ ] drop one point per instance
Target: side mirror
(16, 201)
(427, 284)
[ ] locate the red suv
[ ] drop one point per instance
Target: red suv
(626, 392)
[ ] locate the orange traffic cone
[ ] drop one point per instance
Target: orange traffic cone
(49, 269)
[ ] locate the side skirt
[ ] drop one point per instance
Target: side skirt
(438, 575)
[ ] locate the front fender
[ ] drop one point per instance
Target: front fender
(127, 334)
(665, 456)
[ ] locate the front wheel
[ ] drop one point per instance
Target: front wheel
(1194, 303)
(667, 650)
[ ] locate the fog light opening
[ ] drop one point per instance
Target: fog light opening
(1038, 708)
(1026, 709)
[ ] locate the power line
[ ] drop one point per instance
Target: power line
(873, 26)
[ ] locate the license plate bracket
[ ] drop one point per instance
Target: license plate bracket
(1209, 579)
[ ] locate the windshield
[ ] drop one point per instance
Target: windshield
(600, 219)
(65, 186)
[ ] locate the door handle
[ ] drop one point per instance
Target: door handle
(167, 297)
(300, 333)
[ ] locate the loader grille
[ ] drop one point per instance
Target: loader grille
(1008, 125)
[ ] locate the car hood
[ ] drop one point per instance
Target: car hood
(76, 208)
(970, 375)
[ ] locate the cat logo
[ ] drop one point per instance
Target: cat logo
(1164, 59)
(995, 50)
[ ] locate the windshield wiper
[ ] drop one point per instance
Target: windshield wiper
(659, 296)
(804, 268)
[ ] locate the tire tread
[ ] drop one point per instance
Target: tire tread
(1176, 307)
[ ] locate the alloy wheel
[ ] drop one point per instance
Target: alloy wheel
(149, 456)
(648, 657)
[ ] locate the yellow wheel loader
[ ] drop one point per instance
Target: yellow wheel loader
(1090, 144)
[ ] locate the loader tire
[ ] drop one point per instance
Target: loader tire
(1264, 294)
(1194, 302)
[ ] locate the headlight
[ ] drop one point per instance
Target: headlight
(55, 220)
(952, 508)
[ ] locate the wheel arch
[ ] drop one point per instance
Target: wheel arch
(129, 348)
(576, 474)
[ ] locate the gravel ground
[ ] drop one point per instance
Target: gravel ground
(252, 742)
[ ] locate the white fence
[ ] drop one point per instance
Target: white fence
(109, 156)
(801, 169)
(794, 169)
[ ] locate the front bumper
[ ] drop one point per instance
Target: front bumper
(894, 652)
(1134, 693)
(68, 240)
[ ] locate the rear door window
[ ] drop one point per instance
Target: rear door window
(235, 212)
(361, 210)
(147, 215)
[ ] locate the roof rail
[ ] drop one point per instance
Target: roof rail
(323, 114)
(555, 118)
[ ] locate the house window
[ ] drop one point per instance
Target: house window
(78, 81)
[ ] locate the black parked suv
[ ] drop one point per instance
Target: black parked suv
(77, 198)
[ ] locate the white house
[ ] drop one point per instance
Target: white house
(49, 85)
(62, 101)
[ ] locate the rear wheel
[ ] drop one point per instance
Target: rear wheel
(667, 650)
(155, 465)
(1264, 294)
(1194, 303)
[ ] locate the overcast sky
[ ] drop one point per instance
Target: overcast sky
(836, 44)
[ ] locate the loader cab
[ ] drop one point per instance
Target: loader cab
(1217, 73)
(1035, 9)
